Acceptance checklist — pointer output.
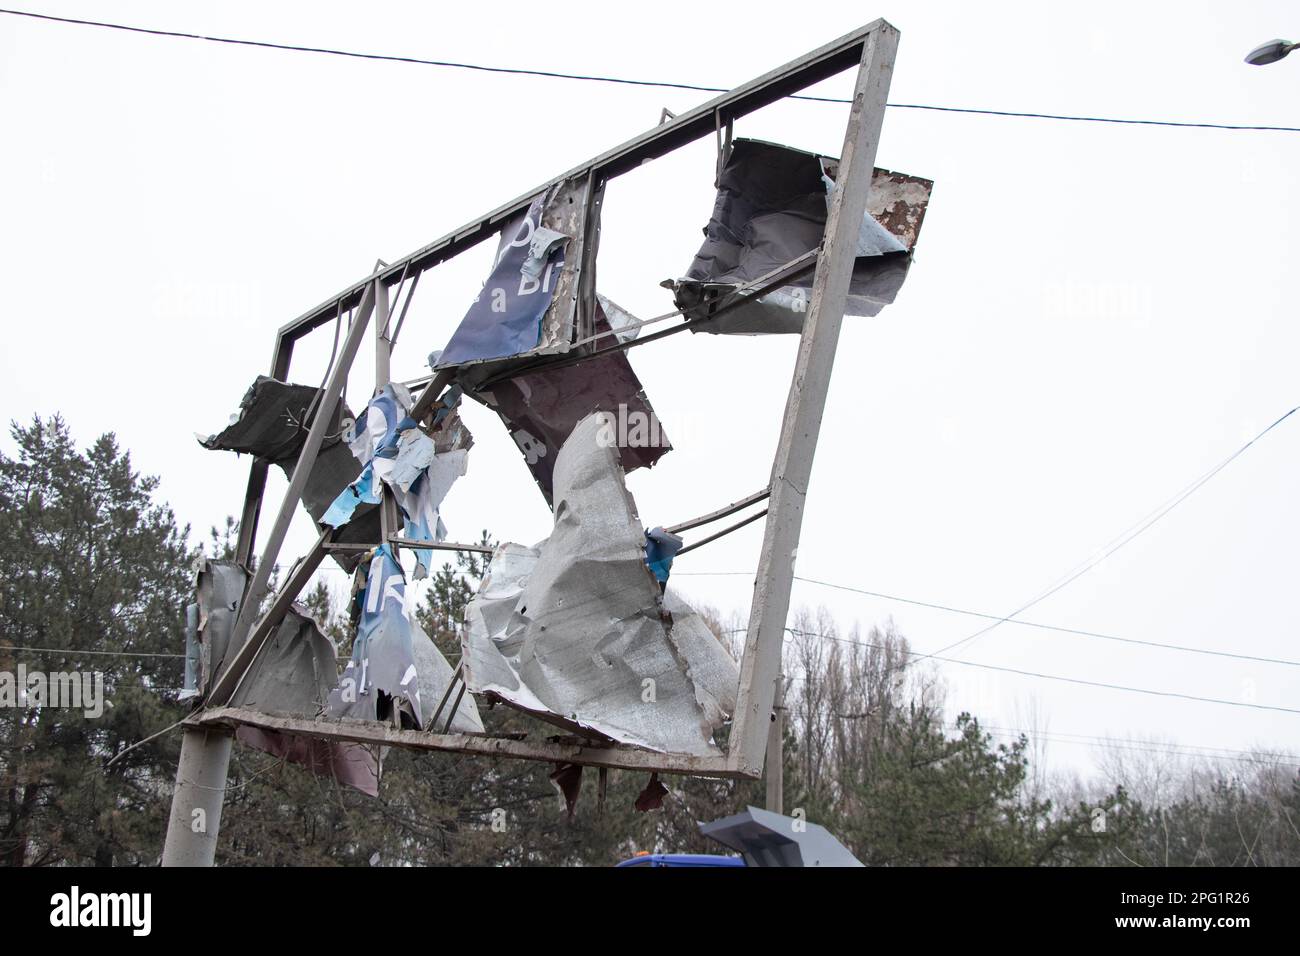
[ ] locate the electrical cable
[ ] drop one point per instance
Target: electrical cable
(915, 655)
(623, 81)
(1123, 538)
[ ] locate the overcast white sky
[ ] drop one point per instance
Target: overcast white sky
(1097, 314)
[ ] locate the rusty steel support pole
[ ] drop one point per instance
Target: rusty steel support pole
(792, 467)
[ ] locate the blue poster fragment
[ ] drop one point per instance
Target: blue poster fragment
(382, 657)
(660, 548)
(505, 318)
(396, 673)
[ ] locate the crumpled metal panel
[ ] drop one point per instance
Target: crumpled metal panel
(292, 674)
(540, 410)
(219, 590)
(294, 670)
(394, 665)
(577, 632)
(771, 209)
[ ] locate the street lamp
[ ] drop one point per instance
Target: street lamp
(1270, 52)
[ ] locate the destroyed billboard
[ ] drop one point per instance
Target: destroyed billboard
(584, 630)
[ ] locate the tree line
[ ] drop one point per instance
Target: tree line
(95, 572)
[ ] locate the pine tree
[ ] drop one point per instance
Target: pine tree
(91, 570)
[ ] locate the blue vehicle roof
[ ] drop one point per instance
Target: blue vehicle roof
(683, 859)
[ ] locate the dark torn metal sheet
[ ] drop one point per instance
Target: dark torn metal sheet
(271, 424)
(651, 796)
(577, 632)
(354, 765)
(540, 410)
(567, 780)
(771, 209)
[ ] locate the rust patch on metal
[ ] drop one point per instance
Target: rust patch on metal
(898, 202)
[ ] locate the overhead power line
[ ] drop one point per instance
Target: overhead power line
(1124, 537)
(78, 652)
(916, 655)
(623, 81)
(1103, 743)
(1053, 627)
(1260, 755)
(931, 605)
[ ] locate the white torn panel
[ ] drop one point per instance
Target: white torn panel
(576, 630)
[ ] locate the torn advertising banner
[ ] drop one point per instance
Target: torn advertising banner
(540, 410)
(417, 469)
(660, 548)
(373, 440)
(395, 667)
(526, 309)
(512, 315)
(771, 209)
(576, 630)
